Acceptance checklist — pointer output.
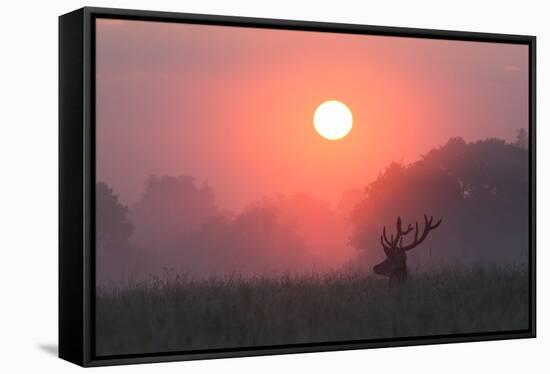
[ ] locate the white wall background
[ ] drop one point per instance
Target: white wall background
(28, 187)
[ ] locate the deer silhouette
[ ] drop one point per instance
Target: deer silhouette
(395, 265)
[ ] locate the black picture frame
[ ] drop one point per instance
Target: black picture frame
(77, 183)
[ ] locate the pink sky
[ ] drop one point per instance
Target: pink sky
(234, 106)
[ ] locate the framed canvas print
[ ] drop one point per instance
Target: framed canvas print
(236, 186)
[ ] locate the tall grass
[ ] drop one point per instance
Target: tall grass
(179, 313)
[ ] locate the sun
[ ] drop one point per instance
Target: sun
(333, 120)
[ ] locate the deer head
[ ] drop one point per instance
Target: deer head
(395, 264)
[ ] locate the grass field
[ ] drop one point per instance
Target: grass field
(186, 314)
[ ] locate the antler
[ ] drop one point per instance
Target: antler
(428, 226)
(393, 243)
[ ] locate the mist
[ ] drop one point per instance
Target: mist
(478, 189)
(178, 227)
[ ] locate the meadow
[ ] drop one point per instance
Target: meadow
(180, 313)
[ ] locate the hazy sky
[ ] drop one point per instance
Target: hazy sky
(234, 106)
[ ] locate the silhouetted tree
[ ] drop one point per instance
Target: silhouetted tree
(113, 227)
(253, 242)
(479, 189)
(178, 225)
(115, 260)
(169, 207)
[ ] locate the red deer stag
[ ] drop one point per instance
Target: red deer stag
(395, 265)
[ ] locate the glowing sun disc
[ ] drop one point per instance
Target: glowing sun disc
(333, 120)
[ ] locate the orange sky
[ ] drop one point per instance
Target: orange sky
(234, 106)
